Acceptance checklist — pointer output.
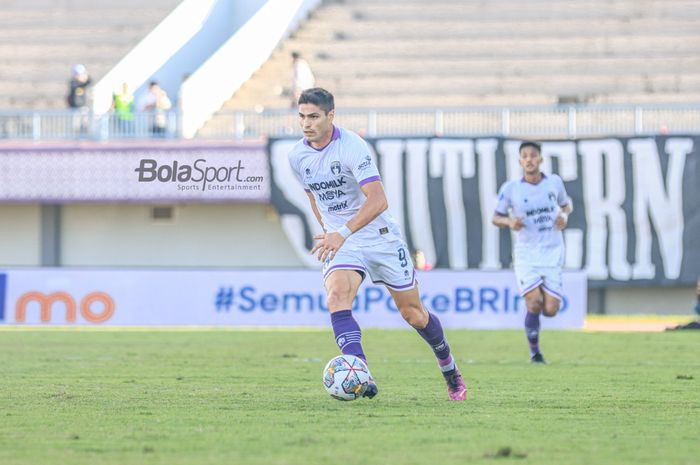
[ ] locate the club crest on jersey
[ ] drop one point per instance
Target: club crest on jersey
(552, 197)
(335, 168)
(307, 173)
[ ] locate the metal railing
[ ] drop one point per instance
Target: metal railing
(566, 121)
(68, 124)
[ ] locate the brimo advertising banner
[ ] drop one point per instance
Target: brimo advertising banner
(144, 172)
(280, 298)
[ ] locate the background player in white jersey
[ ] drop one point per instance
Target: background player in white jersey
(537, 208)
(360, 237)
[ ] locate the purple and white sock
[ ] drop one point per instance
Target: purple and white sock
(347, 332)
(532, 331)
(435, 337)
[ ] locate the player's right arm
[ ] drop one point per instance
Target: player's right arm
(503, 206)
(314, 207)
(294, 163)
(502, 221)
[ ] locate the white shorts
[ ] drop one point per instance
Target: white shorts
(530, 277)
(386, 263)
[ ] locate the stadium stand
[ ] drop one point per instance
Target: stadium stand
(406, 53)
(41, 39)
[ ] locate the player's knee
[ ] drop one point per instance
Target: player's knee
(339, 296)
(551, 307)
(414, 315)
(534, 305)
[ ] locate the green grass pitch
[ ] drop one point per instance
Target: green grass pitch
(201, 397)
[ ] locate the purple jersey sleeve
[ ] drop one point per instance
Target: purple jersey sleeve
(294, 163)
(562, 196)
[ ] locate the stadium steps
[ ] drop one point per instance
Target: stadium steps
(41, 39)
(381, 29)
(487, 68)
(504, 48)
(450, 53)
(542, 10)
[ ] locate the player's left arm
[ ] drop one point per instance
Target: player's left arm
(375, 204)
(566, 206)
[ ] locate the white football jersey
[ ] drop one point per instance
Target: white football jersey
(335, 175)
(539, 242)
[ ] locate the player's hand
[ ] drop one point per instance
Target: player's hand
(328, 244)
(561, 221)
(516, 224)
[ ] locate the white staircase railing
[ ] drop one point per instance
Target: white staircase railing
(208, 88)
(143, 62)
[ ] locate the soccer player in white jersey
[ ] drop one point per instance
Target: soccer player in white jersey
(360, 237)
(536, 207)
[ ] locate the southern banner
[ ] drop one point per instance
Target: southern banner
(636, 218)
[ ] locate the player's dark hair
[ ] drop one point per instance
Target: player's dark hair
(534, 145)
(319, 97)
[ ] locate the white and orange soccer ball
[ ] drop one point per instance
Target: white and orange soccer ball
(346, 377)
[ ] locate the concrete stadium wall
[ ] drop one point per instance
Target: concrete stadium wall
(20, 235)
(648, 301)
(218, 235)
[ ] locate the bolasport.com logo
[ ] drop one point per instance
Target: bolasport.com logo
(199, 176)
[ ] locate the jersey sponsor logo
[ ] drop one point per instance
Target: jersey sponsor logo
(325, 185)
(365, 164)
(338, 207)
(331, 195)
(539, 211)
(335, 168)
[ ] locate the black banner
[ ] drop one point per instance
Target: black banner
(636, 218)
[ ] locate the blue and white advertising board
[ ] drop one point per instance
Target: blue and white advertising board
(274, 298)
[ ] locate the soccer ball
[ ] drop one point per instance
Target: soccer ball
(346, 377)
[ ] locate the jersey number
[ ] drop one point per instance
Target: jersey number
(402, 258)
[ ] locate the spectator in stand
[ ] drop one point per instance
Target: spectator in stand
(156, 102)
(123, 108)
(77, 87)
(302, 79)
(77, 98)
